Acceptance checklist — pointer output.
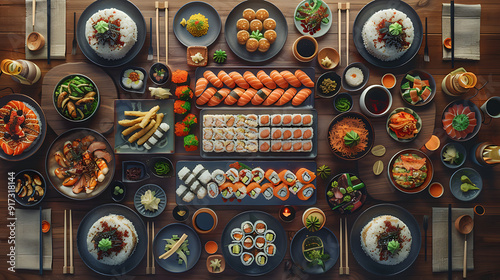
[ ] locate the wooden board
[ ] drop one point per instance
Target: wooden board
(102, 121)
(379, 187)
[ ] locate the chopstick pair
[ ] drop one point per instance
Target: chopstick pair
(71, 267)
(150, 260)
(344, 270)
(343, 7)
(158, 6)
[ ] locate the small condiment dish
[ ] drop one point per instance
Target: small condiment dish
(332, 76)
(159, 68)
(140, 90)
(126, 165)
(30, 187)
(222, 263)
(460, 149)
(299, 53)
(447, 43)
(436, 190)
(456, 182)
(332, 55)
(158, 193)
(374, 94)
(338, 97)
(35, 41)
(155, 169)
(178, 210)
(119, 197)
(366, 76)
(193, 51)
(204, 220)
(388, 80)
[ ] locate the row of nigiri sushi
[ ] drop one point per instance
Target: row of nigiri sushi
(253, 146)
(262, 133)
(254, 120)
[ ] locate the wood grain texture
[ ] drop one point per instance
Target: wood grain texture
(487, 228)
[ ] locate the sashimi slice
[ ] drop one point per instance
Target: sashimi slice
(471, 115)
(460, 109)
(466, 110)
(447, 122)
(453, 110)
(473, 122)
(449, 116)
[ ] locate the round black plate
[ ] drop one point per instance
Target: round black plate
(330, 244)
(280, 243)
(473, 107)
(364, 192)
(364, 260)
(134, 259)
(240, 50)
(123, 5)
(159, 193)
(375, 6)
(186, 12)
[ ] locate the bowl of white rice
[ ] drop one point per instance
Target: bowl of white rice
(355, 76)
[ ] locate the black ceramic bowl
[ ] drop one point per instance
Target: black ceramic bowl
(423, 76)
(120, 196)
(338, 97)
(332, 76)
(129, 88)
(30, 187)
(159, 73)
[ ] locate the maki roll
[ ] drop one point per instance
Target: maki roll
(232, 175)
(246, 259)
(184, 193)
(264, 146)
(198, 189)
(202, 174)
(239, 190)
(270, 236)
(252, 120)
(219, 146)
(307, 146)
(235, 249)
(305, 175)
(297, 119)
(270, 249)
(184, 173)
(252, 146)
(276, 120)
(257, 175)
(253, 190)
(306, 192)
(229, 146)
(219, 177)
(260, 227)
(226, 190)
(212, 189)
(252, 133)
(248, 242)
(190, 180)
(264, 120)
(240, 146)
(276, 146)
(247, 227)
(272, 177)
(276, 133)
(261, 259)
(236, 234)
(267, 190)
(287, 177)
(208, 146)
(241, 120)
(282, 192)
(245, 176)
(296, 187)
(264, 133)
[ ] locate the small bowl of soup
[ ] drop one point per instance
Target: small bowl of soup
(375, 101)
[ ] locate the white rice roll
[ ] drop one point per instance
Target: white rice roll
(260, 227)
(212, 189)
(251, 133)
(219, 133)
(240, 146)
(264, 120)
(229, 146)
(241, 121)
(247, 227)
(208, 133)
(226, 190)
(198, 189)
(184, 173)
(296, 187)
(219, 121)
(184, 193)
(235, 249)
(307, 143)
(246, 258)
(248, 242)
(229, 120)
(202, 174)
(232, 175)
(257, 175)
(239, 133)
(245, 176)
(237, 234)
(270, 249)
(254, 193)
(297, 119)
(219, 146)
(208, 120)
(307, 133)
(252, 146)
(208, 146)
(260, 242)
(252, 120)
(241, 192)
(270, 235)
(219, 176)
(309, 116)
(160, 131)
(268, 193)
(261, 259)
(264, 146)
(276, 119)
(229, 133)
(190, 180)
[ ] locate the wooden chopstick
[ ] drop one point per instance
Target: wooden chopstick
(152, 251)
(166, 32)
(341, 268)
(71, 267)
(148, 269)
(157, 33)
(346, 269)
(174, 248)
(339, 6)
(48, 31)
(452, 29)
(65, 266)
(34, 12)
(450, 266)
(348, 6)
(41, 242)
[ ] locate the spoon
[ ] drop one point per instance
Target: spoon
(426, 225)
(464, 224)
(35, 40)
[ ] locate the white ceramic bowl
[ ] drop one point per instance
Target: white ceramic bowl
(363, 105)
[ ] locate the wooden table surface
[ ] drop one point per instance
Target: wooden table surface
(487, 227)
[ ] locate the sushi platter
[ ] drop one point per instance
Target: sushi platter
(254, 86)
(248, 183)
(258, 133)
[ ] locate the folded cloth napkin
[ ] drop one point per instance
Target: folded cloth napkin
(467, 31)
(440, 240)
(57, 31)
(28, 240)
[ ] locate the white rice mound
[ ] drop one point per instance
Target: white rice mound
(354, 76)
(370, 34)
(377, 226)
(122, 224)
(128, 34)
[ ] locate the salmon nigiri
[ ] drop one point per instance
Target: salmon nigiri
(246, 96)
(224, 77)
(286, 97)
(252, 80)
(273, 97)
(218, 97)
(266, 80)
(278, 79)
(210, 76)
(290, 78)
(303, 78)
(206, 95)
(233, 96)
(260, 96)
(201, 85)
(239, 80)
(301, 96)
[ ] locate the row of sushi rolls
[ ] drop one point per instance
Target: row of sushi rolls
(261, 88)
(257, 133)
(252, 242)
(244, 182)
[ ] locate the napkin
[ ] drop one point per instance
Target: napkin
(28, 240)
(57, 31)
(440, 240)
(467, 31)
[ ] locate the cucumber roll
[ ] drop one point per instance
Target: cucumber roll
(261, 259)
(235, 249)
(239, 190)
(245, 176)
(296, 187)
(212, 189)
(257, 175)
(232, 175)
(226, 190)
(270, 235)
(246, 259)
(219, 177)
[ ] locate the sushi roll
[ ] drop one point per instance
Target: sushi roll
(212, 190)
(218, 133)
(247, 227)
(307, 146)
(229, 120)
(245, 176)
(276, 120)
(305, 175)
(287, 120)
(260, 241)
(257, 175)
(260, 227)
(235, 249)
(251, 133)
(229, 146)
(198, 189)
(208, 120)
(239, 190)
(307, 133)
(281, 191)
(270, 236)
(264, 146)
(190, 179)
(241, 121)
(297, 119)
(253, 190)
(226, 190)
(252, 120)
(267, 190)
(306, 192)
(208, 146)
(185, 194)
(219, 121)
(261, 259)
(239, 133)
(276, 133)
(184, 173)
(232, 175)
(307, 119)
(229, 133)
(248, 242)
(264, 133)
(297, 133)
(219, 146)
(246, 259)
(252, 146)
(237, 234)
(202, 174)
(286, 146)
(272, 177)
(270, 249)
(240, 146)
(264, 120)
(287, 133)
(276, 146)
(219, 176)
(297, 146)
(208, 133)
(296, 187)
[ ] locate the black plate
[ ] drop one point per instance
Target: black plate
(364, 260)
(159, 193)
(330, 244)
(240, 50)
(363, 191)
(33, 148)
(375, 6)
(134, 259)
(25, 201)
(186, 12)
(125, 6)
(280, 242)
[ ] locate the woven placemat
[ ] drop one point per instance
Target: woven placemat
(467, 31)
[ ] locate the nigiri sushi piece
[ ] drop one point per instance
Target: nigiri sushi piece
(252, 80)
(264, 146)
(212, 78)
(239, 80)
(267, 190)
(304, 78)
(301, 96)
(278, 79)
(306, 192)
(201, 85)
(212, 189)
(260, 96)
(233, 96)
(253, 190)
(258, 175)
(287, 177)
(219, 176)
(184, 173)
(198, 189)
(217, 98)
(226, 190)
(305, 175)
(205, 96)
(246, 97)
(266, 80)
(282, 192)
(286, 97)
(272, 176)
(290, 78)
(274, 96)
(203, 175)
(224, 77)
(184, 193)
